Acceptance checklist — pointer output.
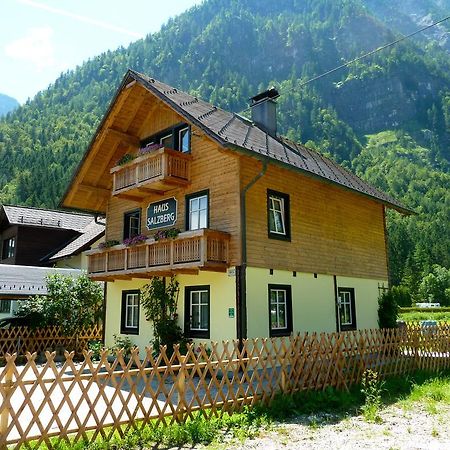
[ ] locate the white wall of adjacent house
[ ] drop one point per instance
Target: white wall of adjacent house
(7, 308)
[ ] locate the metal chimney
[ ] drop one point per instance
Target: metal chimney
(264, 110)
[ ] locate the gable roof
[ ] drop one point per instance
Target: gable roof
(91, 233)
(240, 134)
(48, 218)
(28, 280)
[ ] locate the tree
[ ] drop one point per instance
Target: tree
(435, 287)
(387, 310)
(73, 303)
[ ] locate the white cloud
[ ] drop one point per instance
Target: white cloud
(35, 47)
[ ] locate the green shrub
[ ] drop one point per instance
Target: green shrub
(387, 310)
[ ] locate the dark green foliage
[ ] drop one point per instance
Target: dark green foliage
(401, 295)
(72, 303)
(387, 310)
(159, 302)
(225, 51)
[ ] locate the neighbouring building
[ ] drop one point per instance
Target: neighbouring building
(14, 286)
(32, 238)
(275, 238)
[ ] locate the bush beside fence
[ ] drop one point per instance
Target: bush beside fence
(81, 402)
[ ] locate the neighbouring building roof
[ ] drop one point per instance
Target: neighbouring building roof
(28, 280)
(91, 233)
(233, 131)
(24, 215)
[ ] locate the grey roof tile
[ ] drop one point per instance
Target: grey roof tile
(28, 280)
(92, 232)
(232, 130)
(22, 215)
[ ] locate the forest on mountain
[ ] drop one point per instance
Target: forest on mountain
(387, 117)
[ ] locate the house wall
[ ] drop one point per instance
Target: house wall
(222, 297)
(313, 300)
(35, 243)
(333, 231)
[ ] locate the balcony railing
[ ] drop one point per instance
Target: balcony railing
(188, 252)
(160, 170)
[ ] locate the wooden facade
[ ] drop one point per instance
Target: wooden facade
(333, 231)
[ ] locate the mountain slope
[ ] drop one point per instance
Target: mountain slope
(7, 104)
(225, 51)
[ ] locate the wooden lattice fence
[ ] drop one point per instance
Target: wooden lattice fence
(21, 340)
(83, 401)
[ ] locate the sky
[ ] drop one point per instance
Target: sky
(39, 39)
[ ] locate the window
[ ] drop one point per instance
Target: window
(132, 224)
(280, 310)
(166, 141)
(197, 215)
(177, 137)
(278, 215)
(5, 306)
(184, 140)
(129, 323)
(347, 312)
(197, 311)
(9, 248)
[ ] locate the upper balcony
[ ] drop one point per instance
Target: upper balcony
(159, 171)
(189, 252)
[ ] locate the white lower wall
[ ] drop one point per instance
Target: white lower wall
(222, 297)
(313, 300)
(313, 303)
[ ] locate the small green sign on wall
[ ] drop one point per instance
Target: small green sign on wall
(231, 313)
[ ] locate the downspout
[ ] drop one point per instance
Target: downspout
(241, 282)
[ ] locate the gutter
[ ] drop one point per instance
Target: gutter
(241, 279)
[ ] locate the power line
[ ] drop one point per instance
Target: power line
(365, 55)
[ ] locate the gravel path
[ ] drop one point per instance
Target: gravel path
(425, 427)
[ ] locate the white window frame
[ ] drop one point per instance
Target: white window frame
(201, 304)
(345, 301)
(277, 303)
(274, 211)
(180, 140)
(9, 247)
(200, 211)
(132, 309)
(161, 139)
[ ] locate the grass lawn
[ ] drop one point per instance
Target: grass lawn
(416, 316)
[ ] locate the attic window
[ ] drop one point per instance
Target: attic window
(177, 137)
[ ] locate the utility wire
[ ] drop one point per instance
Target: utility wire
(365, 55)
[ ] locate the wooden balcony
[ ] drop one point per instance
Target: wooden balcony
(158, 171)
(188, 253)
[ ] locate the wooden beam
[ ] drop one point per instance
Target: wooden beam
(132, 198)
(99, 191)
(132, 141)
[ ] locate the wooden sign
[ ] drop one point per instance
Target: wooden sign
(162, 214)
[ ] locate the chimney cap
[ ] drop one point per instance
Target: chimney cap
(271, 94)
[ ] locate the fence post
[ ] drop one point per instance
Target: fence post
(6, 389)
(181, 387)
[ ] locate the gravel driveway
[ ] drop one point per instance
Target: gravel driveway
(423, 428)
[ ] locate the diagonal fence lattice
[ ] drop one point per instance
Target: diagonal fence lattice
(21, 340)
(82, 401)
